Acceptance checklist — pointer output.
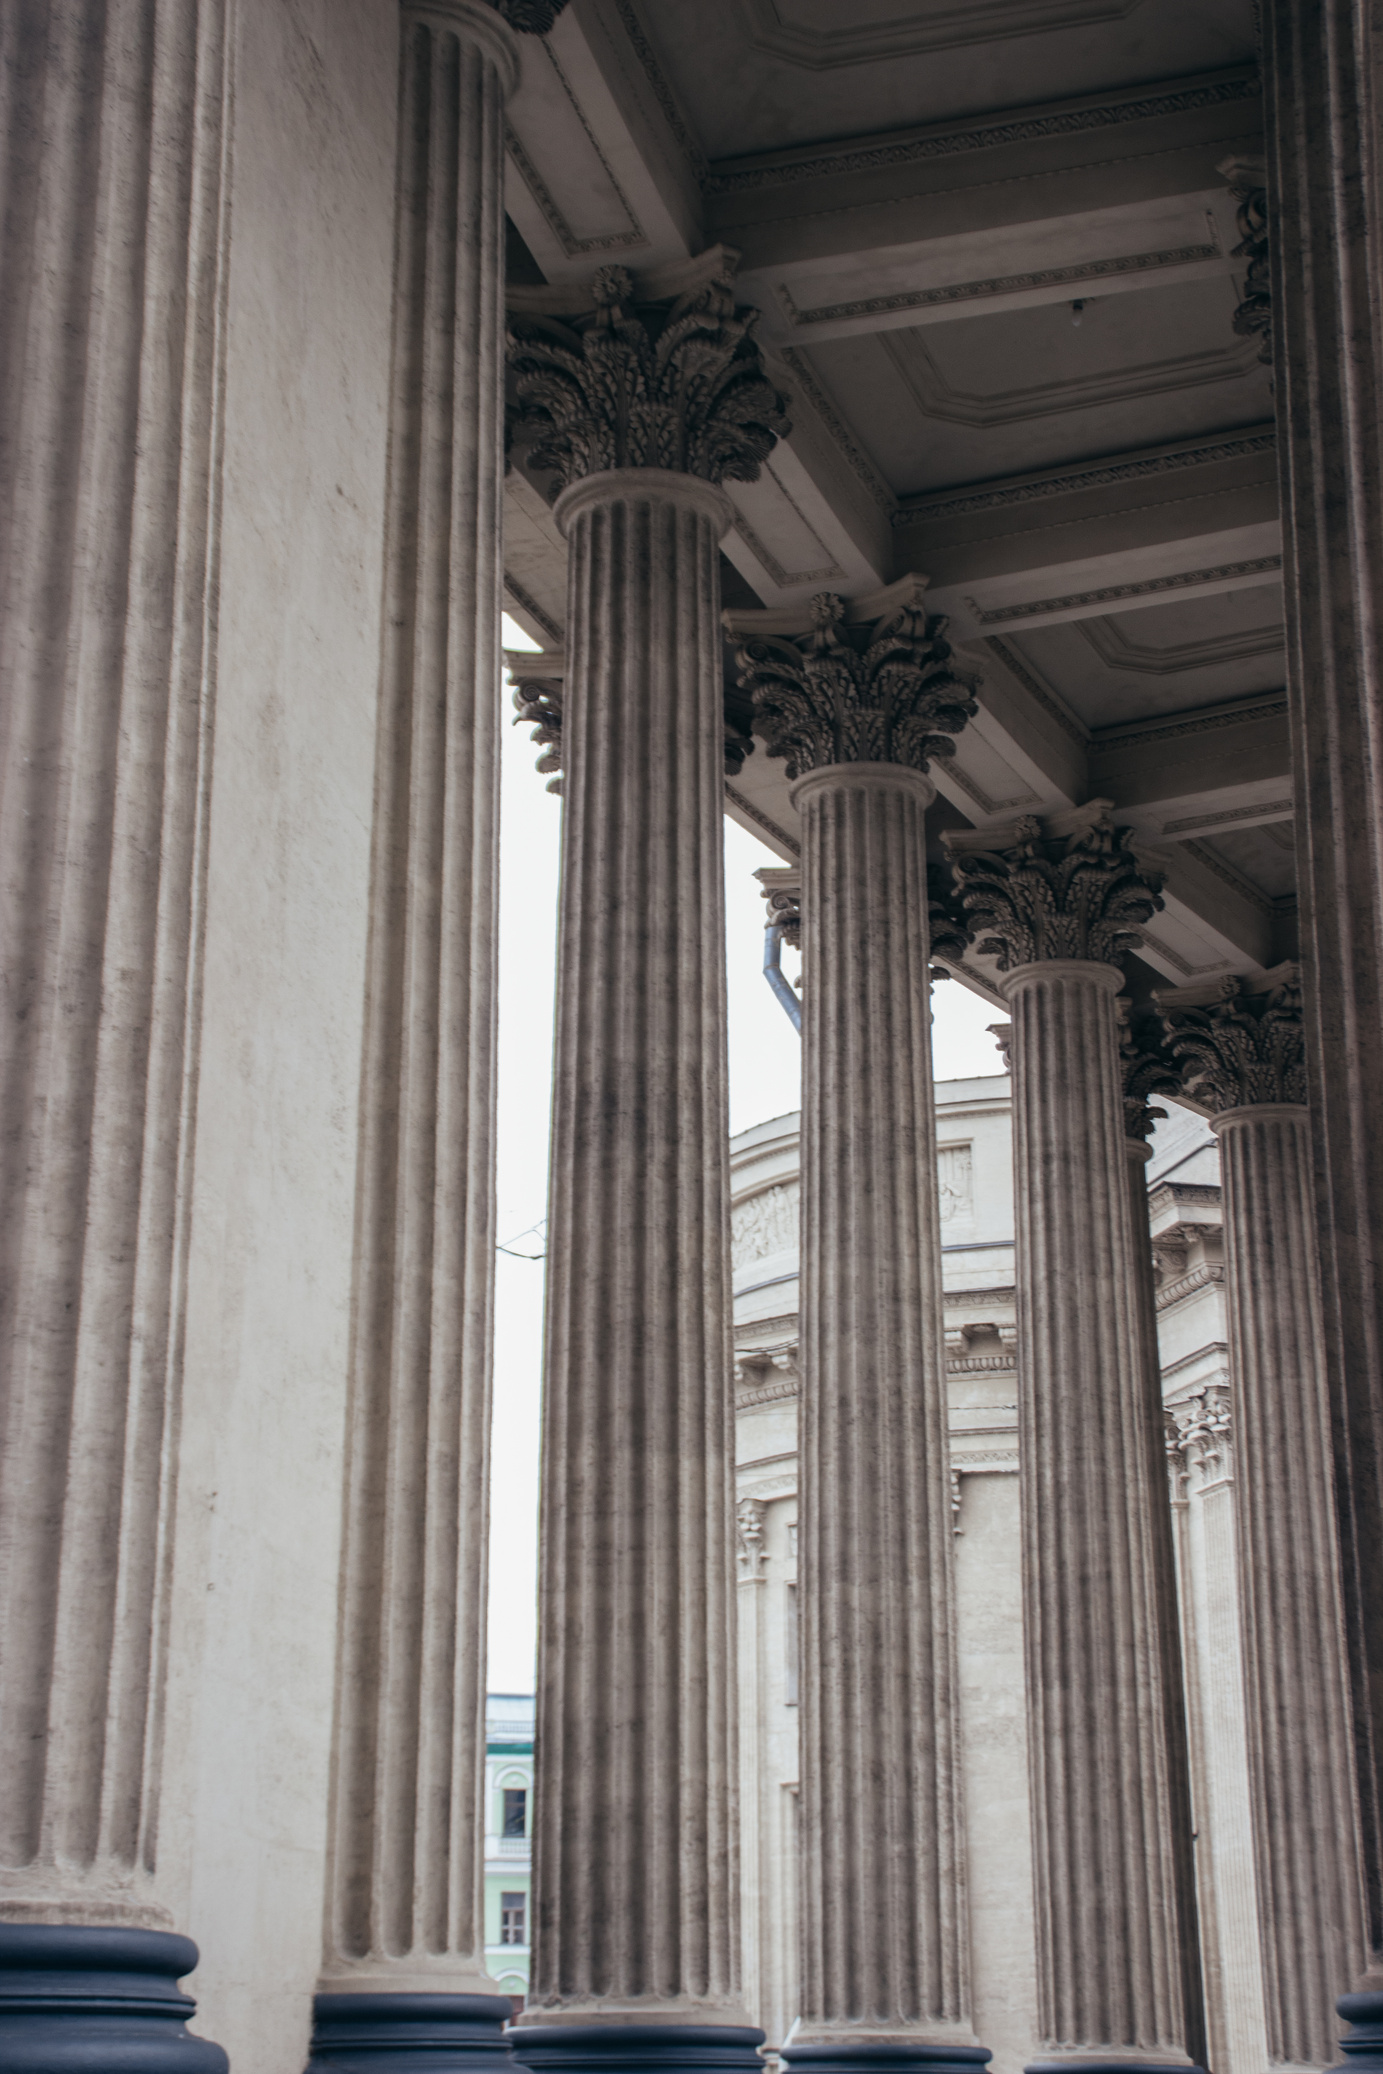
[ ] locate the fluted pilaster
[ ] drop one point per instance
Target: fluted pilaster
(1306, 1828)
(635, 1850)
(407, 1829)
(1116, 1937)
(885, 1950)
(113, 252)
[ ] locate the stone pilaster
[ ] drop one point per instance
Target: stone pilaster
(1118, 1973)
(1243, 1055)
(110, 340)
(636, 1935)
(1319, 63)
(404, 1946)
(859, 708)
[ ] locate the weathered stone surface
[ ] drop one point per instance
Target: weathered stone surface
(109, 340)
(406, 1846)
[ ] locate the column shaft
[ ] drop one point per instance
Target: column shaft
(407, 1829)
(635, 1861)
(1319, 64)
(109, 387)
(885, 1949)
(1309, 1876)
(1117, 1964)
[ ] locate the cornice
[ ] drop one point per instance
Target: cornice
(853, 453)
(1093, 475)
(1227, 818)
(1271, 707)
(991, 133)
(1199, 1278)
(1033, 685)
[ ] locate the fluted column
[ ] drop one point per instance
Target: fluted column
(858, 707)
(636, 1934)
(1118, 1974)
(404, 1941)
(1320, 62)
(110, 367)
(1243, 1055)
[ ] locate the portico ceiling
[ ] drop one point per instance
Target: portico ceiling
(993, 252)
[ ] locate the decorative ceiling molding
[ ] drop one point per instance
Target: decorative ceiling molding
(527, 603)
(1227, 818)
(1095, 475)
(1117, 652)
(1051, 705)
(780, 835)
(1225, 871)
(630, 238)
(1074, 276)
(982, 800)
(1213, 717)
(662, 90)
(1175, 960)
(853, 453)
(929, 26)
(936, 398)
(786, 579)
(913, 147)
(1154, 586)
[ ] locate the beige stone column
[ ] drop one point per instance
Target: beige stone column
(110, 372)
(636, 1934)
(1320, 61)
(1118, 1974)
(405, 1914)
(1243, 1054)
(858, 706)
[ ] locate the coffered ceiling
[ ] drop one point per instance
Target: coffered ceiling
(992, 247)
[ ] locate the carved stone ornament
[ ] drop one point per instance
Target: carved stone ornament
(750, 1514)
(1147, 1067)
(645, 384)
(948, 932)
(1039, 895)
(1199, 1437)
(881, 691)
(782, 890)
(529, 17)
(1253, 318)
(538, 704)
(1242, 1048)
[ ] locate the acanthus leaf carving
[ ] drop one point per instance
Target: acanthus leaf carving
(750, 1517)
(538, 703)
(1242, 1048)
(1253, 318)
(529, 17)
(645, 384)
(1146, 1066)
(1040, 895)
(880, 691)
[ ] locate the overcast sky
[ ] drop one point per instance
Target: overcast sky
(765, 1065)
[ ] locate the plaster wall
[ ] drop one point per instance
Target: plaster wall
(256, 1554)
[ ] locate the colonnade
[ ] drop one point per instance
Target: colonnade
(109, 635)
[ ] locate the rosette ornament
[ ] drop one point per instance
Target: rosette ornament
(645, 384)
(882, 691)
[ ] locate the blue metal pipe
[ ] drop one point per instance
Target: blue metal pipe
(777, 979)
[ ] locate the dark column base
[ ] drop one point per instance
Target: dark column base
(908, 2056)
(398, 2034)
(1363, 2045)
(637, 2048)
(1057, 2065)
(78, 2000)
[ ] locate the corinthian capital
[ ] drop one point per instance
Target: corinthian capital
(872, 689)
(529, 17)
(1248, 183)
(1070, 887)
(659, 372)
(1238, 1049)
(1147, 1067)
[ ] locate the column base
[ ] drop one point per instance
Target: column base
(638, 2048)
(81, 2000)
(903, 2056)
(1363, 2044)
(397, 2034)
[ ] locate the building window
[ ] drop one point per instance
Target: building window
(791, 1618)
(515, 1811)
(513, 1919)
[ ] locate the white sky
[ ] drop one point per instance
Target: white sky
(765, 1067)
